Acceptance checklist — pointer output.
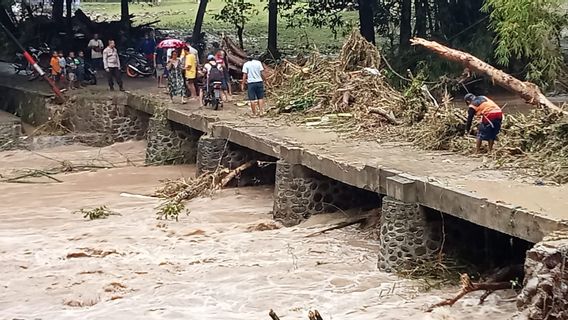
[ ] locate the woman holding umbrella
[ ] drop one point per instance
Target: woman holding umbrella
(162, 56)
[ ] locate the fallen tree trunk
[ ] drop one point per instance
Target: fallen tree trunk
(229, 45)
(235, 61)
(527, 90)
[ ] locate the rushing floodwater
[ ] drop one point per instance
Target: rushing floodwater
(220, 262)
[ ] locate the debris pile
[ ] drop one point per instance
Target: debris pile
(175, 191)
(537, 142)
(350, 94)
(351, 85)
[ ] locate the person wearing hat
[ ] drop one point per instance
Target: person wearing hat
(490, 115)
(213, 73)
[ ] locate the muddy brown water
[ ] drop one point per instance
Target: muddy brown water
(218, 262)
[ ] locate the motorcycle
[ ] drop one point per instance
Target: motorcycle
(135, 64)
(213, 96)
(90, 76)
(41, 55)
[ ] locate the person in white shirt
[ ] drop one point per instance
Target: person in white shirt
(253, 77)
(111, 63)
(96, 45)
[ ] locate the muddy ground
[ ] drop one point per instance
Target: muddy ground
(225, 260)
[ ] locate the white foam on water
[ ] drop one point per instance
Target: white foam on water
(209, 265)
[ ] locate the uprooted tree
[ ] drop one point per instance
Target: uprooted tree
(528, 91)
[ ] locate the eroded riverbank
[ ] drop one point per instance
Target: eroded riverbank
(223, 261)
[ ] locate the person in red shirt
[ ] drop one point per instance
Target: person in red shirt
(491, 117)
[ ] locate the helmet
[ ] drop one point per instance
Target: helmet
(210, 57)
(469, 97)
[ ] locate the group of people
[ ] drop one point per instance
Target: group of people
(68, 70)
(186, 76)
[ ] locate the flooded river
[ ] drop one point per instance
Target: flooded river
(225, 260)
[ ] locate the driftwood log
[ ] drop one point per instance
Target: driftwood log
(527, 90)
(273, 315)
(386, 114)
(502, 279)
(312, 315)
(237, 58)
(237, 171)
(233, 48)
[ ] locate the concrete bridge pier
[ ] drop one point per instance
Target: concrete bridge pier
(408, 235)
(214, 153)
(210, 153)
(170, 143)
(300, 192)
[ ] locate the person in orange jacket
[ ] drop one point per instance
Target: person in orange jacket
(491, 117)
(55, 67)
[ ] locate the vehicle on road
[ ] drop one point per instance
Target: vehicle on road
(213, 95)
(42, 55)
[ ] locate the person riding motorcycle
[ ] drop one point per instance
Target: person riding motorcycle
(214, 73)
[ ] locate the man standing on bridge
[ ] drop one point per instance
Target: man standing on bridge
(491, 118)
(111, 62)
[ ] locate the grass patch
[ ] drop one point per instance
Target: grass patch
(180, 15)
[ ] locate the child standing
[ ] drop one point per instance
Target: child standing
(62, 66)
(55, 68)
(80, 71)
(71, 69)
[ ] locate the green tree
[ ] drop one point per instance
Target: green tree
(237, 13)
(196, 36)
(124, 14)
(528, 31)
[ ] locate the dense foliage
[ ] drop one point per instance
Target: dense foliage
(529, 31)
(237, 13)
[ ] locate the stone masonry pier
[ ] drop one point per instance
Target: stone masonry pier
(449, 183)
(424, 196)
(317, 171)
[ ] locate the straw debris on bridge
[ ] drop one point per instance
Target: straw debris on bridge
(351, 94)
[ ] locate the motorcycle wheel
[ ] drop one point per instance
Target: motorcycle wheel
(131, 73)
(215, 104)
